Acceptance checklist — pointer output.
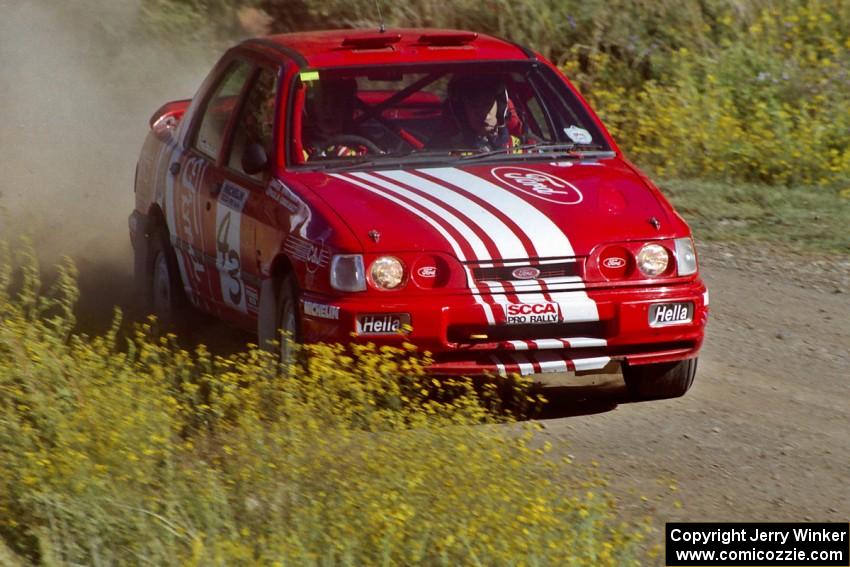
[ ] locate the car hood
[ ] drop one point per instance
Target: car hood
(483, 212)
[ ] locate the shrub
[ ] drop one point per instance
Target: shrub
(753, 90)
(147, 453)
(764, 101)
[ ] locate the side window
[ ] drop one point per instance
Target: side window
(219, 107)
(256, 120)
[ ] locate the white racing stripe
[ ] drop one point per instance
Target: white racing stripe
(442, 199)
(551, 362)
(548, 239)
(586, 342)
(463, 228)
(556, 344)
(525, 366)
(488, 310)
(447, 211)
(596, 363)
(500, 367)
(508, 244)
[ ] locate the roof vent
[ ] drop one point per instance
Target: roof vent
(448, 39)
(376, 41)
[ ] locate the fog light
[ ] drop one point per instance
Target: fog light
(652, 259)
(387, 272)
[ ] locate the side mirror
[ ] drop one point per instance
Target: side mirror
(254, 159)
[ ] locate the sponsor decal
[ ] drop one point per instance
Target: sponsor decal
(183, 217)
(525, 273)
(578, 135)
(252, 298)
(538, 184)
(662, 314)
(613, 262)
(284, 196)
(531, 313)
(321, 310)
(314, 254)
(386, 324)
(233, 197)
(427, 271)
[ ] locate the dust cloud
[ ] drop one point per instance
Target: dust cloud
(78, 83)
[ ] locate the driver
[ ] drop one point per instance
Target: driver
(477, 114)
(329, 120)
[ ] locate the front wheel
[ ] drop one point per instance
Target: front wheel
(660, 381)
(164, 296)
(288, 324)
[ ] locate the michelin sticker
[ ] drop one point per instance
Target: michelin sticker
(578, 135)
(321, 310)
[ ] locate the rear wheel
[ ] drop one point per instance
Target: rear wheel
(660, 381)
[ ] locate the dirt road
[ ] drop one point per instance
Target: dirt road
(764, 435)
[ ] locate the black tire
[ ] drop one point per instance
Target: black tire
(288, 321)
(660, 381)
(164, 295)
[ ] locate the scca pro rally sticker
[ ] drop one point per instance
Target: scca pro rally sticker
(538, 184)
(531, 313)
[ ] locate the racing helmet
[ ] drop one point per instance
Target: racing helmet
(478, 89)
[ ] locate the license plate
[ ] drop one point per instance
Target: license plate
(382, 324)
(664, 314)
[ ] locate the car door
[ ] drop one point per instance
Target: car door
(239, 201)
(196, 180)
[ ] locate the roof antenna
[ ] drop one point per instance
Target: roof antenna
(382, 28)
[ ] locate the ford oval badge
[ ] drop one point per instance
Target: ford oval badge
(613, 262)
(525, 273)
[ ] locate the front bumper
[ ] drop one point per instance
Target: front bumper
(453, 329)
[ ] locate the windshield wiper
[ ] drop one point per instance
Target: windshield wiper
(396, 158)
(576, 151)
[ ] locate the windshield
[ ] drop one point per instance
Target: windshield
(436, 113)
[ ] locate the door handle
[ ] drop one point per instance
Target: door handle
(174, 168)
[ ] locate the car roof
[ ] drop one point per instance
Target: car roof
(347, 47)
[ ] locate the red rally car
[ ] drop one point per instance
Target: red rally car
(439, 187)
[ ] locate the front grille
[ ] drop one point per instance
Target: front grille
(505, 273)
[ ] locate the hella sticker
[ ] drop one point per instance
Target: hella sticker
(538, 184)
(663, 314)
(427, 272)
(614, 262)
(531, 313)
(525, 273)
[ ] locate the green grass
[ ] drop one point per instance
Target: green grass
(802, 218)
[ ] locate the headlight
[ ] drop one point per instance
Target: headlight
(686, 256)
(347, 272)
(652, 259)
(387, 272)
